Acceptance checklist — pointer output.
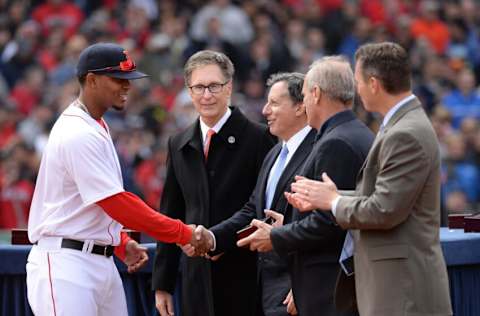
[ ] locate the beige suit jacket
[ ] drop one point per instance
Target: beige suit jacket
(395, 218)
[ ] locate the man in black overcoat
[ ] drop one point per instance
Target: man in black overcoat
(212, 169)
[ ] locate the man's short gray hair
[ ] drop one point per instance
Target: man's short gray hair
(208, 57)
(334, 76)
(294, 81)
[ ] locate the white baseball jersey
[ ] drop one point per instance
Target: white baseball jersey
(79, 167)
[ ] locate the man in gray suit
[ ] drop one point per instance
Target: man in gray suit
(394, 213)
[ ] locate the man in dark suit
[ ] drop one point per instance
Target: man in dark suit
(314, 241)
(394, 213)
(287, 119)
(212, 169)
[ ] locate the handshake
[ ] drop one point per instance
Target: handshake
(201, 243)
(256, 236)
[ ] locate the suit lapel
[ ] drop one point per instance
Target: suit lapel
(229, 136)
(412, 105)
(231, 131)
(192, 140)
(360, 171)
(293, 166)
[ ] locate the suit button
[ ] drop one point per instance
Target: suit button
(211, 173)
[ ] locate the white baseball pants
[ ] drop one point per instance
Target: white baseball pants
(71, 282)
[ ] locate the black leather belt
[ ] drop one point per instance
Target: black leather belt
(106, 251)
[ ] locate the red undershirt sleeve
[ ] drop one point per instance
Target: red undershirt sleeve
(121, 250)
(130, 211)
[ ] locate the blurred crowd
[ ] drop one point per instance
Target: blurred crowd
(40, 42)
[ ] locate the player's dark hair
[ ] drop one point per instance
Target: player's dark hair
(82, 79)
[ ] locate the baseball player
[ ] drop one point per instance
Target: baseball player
(79, 204)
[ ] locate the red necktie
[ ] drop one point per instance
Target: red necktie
(207, 142)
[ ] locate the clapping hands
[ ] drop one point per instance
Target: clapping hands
(308, 195)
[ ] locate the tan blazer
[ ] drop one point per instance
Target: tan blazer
(395, 217)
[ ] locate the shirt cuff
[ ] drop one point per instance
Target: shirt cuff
(334, 205)
(214, 241)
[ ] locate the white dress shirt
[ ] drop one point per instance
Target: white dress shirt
(217, 127)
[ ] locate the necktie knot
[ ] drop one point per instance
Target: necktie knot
(208, 139)
(210, 133)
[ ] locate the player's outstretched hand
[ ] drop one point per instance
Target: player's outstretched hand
(136, 256)
(202, 241)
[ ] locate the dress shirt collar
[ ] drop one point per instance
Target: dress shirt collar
(217, 127)
(394, 110)
(294, 142)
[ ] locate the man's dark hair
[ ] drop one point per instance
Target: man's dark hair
(388, 62)
(294, 81)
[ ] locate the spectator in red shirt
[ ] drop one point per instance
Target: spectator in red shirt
(27, 92)
(15, 197)
(54, 13)
(430, 27)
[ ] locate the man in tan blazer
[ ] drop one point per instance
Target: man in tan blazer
(394, 213)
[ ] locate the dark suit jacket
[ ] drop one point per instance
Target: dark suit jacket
(272, 270)
(314, 240)
(206, 194)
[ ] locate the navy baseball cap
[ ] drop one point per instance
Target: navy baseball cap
(108, 59)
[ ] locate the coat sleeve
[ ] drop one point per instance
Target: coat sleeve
(317, 230)
(403, 170)
(167, 256)
(225, 232)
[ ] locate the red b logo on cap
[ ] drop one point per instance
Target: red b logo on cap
(127, 65)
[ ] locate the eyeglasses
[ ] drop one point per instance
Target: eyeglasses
(199, 89)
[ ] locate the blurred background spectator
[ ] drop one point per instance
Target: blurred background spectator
(464, 100)
(40, 42)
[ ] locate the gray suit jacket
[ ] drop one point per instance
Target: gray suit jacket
(395, 217)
